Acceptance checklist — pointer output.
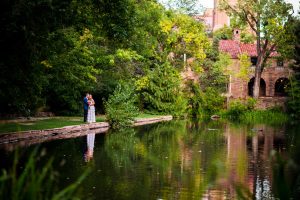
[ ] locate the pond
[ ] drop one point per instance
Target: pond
(176, 160)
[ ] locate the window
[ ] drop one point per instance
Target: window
(253, 60)
(279, 63)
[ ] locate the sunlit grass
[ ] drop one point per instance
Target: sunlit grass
(55, 122)
(146, 115)
(41, 124)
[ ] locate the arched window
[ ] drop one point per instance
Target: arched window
(262, 89)
(281, 86)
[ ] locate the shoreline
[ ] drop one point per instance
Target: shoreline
(24, 138)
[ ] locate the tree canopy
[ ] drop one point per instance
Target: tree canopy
(56, 51)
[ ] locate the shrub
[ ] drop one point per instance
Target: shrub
(160, 91)
(237, 108)
(243, 111)
(120, 108)
(293, 103)
(205, 103)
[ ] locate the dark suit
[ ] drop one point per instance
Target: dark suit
(85, 108)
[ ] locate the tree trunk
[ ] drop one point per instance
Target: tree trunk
(258, 69)
(256, 86)
(258, 72)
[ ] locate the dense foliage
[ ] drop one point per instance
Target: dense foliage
(293, 103)
(120, 107)
(56, 51)
(204, 103)
(160, 91)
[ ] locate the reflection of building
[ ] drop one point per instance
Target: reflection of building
(274, 80)
(248, 160)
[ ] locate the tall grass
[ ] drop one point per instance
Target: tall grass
(33, 183)
(245, 112)
(270, 117)
(264, 116)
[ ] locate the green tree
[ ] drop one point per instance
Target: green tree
(181, 34)
(71, 69)
(269, 20)
(224, 33)
(24, 27)
(293, 103)
(120, 107)
(215, 73)
(160, 91)
(189, 7)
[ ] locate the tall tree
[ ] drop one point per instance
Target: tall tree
(189, 7)
(269, 21)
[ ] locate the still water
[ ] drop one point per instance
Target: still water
(177, 160)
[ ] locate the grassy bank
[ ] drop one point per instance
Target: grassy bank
(49, 123)
(40, 124)
(270, 117)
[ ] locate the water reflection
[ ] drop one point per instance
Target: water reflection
(184, 160)
(90, 139)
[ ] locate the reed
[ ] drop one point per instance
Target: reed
(33, 183)
(270, 117)
(264, 116)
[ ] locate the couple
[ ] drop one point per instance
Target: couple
(89, 109)
(90, 138)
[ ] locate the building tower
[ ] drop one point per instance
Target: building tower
(220, 18)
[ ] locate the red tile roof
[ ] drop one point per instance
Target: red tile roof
(249, 49)
(235, 48)
(231, 47)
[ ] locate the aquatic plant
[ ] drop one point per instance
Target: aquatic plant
(244, 112)
(33, 183)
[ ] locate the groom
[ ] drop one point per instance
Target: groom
(85, 107)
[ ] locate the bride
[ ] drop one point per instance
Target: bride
(91, 111)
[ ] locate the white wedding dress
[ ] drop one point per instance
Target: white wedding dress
(91, 114)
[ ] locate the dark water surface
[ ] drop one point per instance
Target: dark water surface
(178, 160)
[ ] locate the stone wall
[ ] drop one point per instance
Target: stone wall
(238, 88)
(271, 102)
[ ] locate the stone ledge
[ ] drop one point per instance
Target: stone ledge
(144, 121)
(33, 134)
(38, 136)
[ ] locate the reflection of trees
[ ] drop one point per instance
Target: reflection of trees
(184, 159)
(167, 159)
(120, 148)
(286, 167)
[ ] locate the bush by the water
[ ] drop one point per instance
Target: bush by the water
(237, 108)
(120, 107)
(205, 103)
(244, 111)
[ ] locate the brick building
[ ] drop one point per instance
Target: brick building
(213, 18)
(275, 76)
(274, 80)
